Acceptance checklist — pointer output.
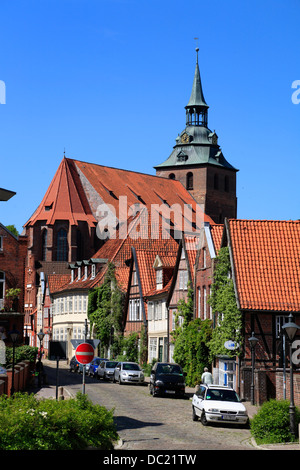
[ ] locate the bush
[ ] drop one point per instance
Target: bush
(22, 353)
(271, 424)
(28, 423)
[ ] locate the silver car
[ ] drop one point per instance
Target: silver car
(128, 372)
(106, 370)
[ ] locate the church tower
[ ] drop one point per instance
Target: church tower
(198, 163)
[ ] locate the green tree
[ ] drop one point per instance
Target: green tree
(229, 318)
(13, 230)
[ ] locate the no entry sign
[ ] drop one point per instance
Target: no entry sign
(84, 353)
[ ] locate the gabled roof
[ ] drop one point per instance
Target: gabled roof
(217, 233)
(57, 281)
(124, 189)
(65, 199)
(266, 260)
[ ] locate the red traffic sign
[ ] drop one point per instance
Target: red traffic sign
(84, 353)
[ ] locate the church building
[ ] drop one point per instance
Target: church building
(197, 160)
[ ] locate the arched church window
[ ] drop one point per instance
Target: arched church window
(44, 244)
(62, 245)
(189, 180)
(226, 184)
(2, 289)
(79, 245)
(171, 176)
(216, 181)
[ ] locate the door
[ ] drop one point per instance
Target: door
(160, 349)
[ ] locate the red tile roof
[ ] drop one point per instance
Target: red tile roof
(145, 261)
(65, 199)
(114, 185)
(217, 233)
(266, 256)
(57, 281)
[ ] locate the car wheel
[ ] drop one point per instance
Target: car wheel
(203, 419)
(195, 417)
(120, 381)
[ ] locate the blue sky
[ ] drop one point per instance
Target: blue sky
(107, 80)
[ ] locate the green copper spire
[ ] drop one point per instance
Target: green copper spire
(196, 109)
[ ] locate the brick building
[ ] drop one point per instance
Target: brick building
(264, 257)
(13, 251)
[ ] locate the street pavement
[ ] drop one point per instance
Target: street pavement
(54, 389)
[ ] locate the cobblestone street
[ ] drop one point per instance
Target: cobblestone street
(147, 423)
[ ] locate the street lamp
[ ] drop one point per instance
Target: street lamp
(41, 337)
(291, 329)
(253, 342)
(14, 334)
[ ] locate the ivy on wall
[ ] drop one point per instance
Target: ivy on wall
(228, 317)
(191, 339)
(105, 308)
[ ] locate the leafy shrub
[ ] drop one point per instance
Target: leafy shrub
(22, 353)
(28, 423)
(271, 424)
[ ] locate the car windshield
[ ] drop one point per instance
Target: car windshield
(97, 361)
(167, 369)
(221, 395)
(131, 366)
(110, 364)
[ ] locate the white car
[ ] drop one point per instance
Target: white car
(106, 370)
(218, 404)
(128, 372)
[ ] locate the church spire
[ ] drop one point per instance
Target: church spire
(196, 109)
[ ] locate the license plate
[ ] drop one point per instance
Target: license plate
(229, 417)
(170, 391)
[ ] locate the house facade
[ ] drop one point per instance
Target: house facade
(264, 257)
(12, 262)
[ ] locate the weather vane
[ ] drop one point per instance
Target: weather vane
(197, 47)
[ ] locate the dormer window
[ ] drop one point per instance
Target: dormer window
(189, 180)
(182, 157)
(49, 207)
(85, 272)
(159, 279)
(72, 275)
(79, 273)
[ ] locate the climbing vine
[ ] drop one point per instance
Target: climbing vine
(105, 307)
(190, 339)
(223, 302)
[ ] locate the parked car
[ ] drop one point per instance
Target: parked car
(218, 403)
(94, 366)
(74, 365)
(106, 370)
(167, 379)
(128, 372)
(86, 366)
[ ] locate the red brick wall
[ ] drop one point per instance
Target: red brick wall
(12, 262)
(21, 378)
(217, 203)
(280, 386)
